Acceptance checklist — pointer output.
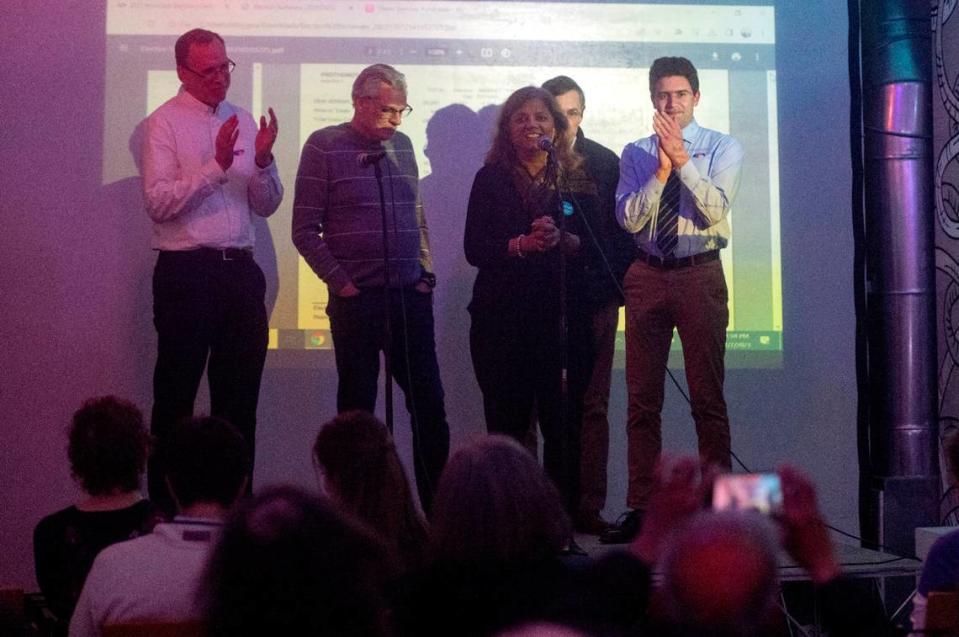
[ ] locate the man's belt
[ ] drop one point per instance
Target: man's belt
(674, 263)
(218, 254)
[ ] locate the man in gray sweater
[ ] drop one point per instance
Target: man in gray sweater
(338, 228)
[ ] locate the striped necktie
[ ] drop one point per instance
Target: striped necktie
(666, 227)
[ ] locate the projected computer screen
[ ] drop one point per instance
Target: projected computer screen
(462, 59)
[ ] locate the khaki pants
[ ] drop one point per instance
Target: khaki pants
(693, 300)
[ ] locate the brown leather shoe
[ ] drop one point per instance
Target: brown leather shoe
(590, 523)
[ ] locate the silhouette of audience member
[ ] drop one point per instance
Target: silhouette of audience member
(940, 572)
(495, 503)
(362, 473)
(289, 563)
(720, 575)
(541, 629)
(107, 448)
(498, 529)
(154, 577)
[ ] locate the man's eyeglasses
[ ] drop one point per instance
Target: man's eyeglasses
(227, 67)
(388, 112)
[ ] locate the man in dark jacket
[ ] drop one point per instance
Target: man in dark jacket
(612, 254)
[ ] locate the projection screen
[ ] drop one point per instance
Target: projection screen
(462, 59)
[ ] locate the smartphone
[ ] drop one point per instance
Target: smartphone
(761, 492)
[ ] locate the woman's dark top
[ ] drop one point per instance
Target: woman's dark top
(65, 544)
(503, 204)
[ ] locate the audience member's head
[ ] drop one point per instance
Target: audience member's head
(289, 563)
(494, 502)
(720, 575)
(541, 629)
(363, 474)
(207, 462)
(719, 568)
(108, 446)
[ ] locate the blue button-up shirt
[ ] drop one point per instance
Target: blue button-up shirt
(709, 182)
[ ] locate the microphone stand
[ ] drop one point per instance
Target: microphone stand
(387, 327)
(552, 174)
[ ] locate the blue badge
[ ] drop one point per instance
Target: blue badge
(568, 209)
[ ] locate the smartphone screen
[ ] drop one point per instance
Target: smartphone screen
(761, 492)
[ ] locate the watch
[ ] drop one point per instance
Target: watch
(429, 279)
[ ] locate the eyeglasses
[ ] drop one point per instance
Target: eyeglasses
(207, 74)
(388, 112)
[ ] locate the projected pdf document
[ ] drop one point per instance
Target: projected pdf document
(463, 59)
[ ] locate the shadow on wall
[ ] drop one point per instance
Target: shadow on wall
(457, 139)
(264, 253)
(121, 205)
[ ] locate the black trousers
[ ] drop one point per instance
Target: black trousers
(209, 313)
(518, 366)
(356, 324)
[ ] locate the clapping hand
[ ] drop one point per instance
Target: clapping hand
(671, 144)
(265, 137)
(225, 141)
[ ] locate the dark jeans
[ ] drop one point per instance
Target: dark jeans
(208, 313)
(518, 367)
(358, 338)
(694, 301)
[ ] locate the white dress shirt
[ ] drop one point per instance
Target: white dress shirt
(709, 180)
(192, 201)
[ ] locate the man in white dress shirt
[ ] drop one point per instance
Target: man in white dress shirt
(207, 169)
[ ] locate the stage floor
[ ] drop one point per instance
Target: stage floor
(855, 561)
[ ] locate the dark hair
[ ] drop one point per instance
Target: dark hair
(495, 504)
(562, 84)
(194, 36)
(356, 453)
(288, 563)
(669, 66)
(502, 153)
(107, 445)
(207, 460)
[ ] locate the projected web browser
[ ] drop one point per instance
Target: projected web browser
(461, 60)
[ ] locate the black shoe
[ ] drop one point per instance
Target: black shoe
(624, 529)
(572, 548)
(590, 523)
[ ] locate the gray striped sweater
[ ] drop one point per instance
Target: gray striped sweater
(337, 223)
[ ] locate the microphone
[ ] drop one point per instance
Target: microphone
(545, 143)
(365, 160)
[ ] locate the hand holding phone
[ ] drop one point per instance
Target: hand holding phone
(760, 492)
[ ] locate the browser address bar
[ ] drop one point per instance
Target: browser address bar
(528, 21)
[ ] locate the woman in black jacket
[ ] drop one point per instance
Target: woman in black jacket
(518, 336)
